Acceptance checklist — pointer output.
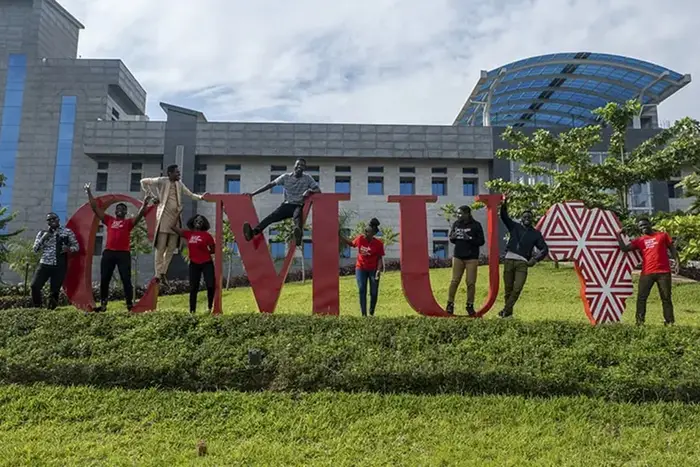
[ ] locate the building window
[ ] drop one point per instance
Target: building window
(469, 187)
(232, 167)
(407, 170)
(277, 189)
(375, 185)
(233, 184)
(674, 192)
(439, 187)
(440, 233)
(277, 249)
(470, 171)
(407, 186)
(342, 184)
(313, 168)
(375, 169)
(308, 249)
(199, 167)
(101, 181)
(200, 183)
(136, 166)
(317, 178)
(98, 245)
(104, 166)
(135, 182)
(115, 113)
(343, 168)
(278, 168)
(11, 123)
(439, 170)
(440, 249)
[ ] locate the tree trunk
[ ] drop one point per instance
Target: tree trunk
(228, 274)
(26, 278)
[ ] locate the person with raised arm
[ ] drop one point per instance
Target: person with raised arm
(167, 193)
(297, 187)
(526, 247)
(54, 243)
(370, 263)
(117, 252)
(656, 268)
(467, 235)
(200, 247)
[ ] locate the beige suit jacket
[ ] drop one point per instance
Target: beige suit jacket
(159, 187)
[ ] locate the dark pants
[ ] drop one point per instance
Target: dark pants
(646, 282)
(514, 277)
(196, 273)
(55, 276)
(122, 261)
(284, 211)
(362, 277)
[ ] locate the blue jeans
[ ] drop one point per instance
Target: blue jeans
(362, 277)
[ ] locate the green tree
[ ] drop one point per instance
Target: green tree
(387, 234)
(140, 245)
(685, 231)
(564, 162)
(228, 249)
(22, 259)
(691, 188)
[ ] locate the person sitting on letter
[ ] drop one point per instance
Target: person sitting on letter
(297, 186)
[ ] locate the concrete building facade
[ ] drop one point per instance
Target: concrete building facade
(68, 121)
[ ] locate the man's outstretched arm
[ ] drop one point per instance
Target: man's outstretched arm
(99, 212)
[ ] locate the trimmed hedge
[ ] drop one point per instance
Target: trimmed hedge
(309, 353)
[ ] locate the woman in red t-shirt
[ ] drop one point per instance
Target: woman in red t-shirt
(200, 247)
(370, 253)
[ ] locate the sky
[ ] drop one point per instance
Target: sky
(368, 61)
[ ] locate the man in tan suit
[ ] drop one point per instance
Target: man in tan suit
(168, 192)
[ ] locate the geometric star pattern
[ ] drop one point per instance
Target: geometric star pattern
(587, 237)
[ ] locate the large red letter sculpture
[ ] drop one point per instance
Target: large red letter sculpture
(259, 266)
(413, 245)
(587, 236)
(78, 283)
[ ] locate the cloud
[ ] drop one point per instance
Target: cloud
(371, 61)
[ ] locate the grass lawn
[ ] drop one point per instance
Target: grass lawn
(44, 425)
(550, 294)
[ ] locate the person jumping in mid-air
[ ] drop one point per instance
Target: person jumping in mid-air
(200, 247)
(297, 186)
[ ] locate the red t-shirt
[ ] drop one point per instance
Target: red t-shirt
(198, 243)
(654, 250)
(118, 233)
(368, 253)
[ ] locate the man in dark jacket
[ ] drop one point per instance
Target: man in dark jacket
(467, 235)
(520, 255)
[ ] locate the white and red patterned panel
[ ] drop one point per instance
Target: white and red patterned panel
(587, 237)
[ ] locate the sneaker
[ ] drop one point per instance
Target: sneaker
(129, 307)
(450, 308)
(298, 234)
(470, 310)
(505, 314)
(247, 231)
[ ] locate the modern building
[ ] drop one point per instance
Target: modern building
(68, 121)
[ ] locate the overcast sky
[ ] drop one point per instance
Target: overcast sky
(371, 61)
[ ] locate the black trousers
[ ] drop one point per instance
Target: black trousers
(55, 275)
(196, 273)
(284, 211)
(122, 261)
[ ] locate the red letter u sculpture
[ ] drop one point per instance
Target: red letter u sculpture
(78, 283)
(413, 244)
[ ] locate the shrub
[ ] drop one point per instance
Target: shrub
(307, 353)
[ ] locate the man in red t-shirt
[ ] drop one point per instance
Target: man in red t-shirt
(370, 262)
(656, 267)
(117, 252)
